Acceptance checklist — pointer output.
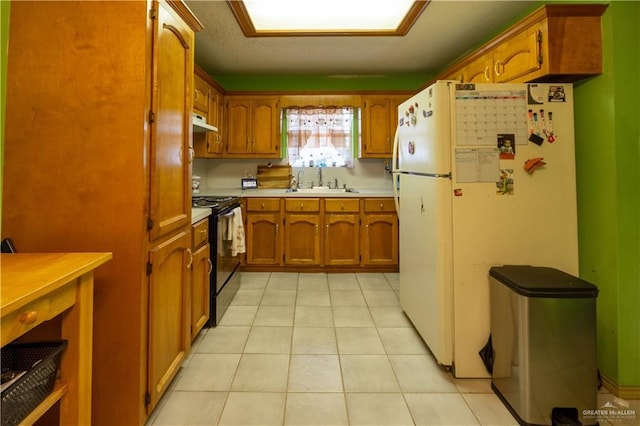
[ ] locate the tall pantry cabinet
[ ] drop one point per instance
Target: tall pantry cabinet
(97, 157)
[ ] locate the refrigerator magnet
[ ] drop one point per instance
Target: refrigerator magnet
(507, 146)
(457, 192)
(556, 94)
(411, 148)
(504, 186)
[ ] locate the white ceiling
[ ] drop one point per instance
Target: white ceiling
(445, 30)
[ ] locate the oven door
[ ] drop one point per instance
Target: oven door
(226, 263)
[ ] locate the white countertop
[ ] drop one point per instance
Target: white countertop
(199, 213)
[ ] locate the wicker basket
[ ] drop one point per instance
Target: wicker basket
(41, 362)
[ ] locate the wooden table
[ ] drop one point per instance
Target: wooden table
(37, 287)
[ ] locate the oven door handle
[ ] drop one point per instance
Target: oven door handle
(226, 215)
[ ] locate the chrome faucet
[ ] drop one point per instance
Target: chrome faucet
(299, 184)
(320, 176)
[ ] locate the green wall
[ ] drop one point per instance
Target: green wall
(608, 157)
(4, 38)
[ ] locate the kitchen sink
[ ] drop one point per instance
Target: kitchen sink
(321, 189)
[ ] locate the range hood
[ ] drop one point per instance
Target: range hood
(200, 124)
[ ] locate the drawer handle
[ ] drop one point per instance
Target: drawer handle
(29, 317)
(203, 232)
(210, 266)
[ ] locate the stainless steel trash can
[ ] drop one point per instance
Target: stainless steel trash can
(544, 343)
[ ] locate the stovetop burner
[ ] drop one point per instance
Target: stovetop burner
(213, 201)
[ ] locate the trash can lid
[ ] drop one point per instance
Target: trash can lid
(539, 281)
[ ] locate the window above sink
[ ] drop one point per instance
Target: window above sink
(321, 136)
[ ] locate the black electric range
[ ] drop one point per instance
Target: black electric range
(224, 279)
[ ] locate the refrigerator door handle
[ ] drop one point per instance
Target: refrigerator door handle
(394, 169)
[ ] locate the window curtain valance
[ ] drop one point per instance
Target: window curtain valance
(320, 137)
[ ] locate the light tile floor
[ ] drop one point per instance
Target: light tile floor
(321, 349)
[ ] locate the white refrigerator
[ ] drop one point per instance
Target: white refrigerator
(484, 175)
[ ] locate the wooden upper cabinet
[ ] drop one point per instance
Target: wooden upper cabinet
(554, 43)
(170, 184)
(479, 71)
(518, 56)
(252, 127)
(208, 144)
(201, 95)
(379, 122)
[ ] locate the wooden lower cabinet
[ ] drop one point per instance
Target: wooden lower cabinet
(263, 237)
(302, 222)
(380, 232)
(348, 234)
(201, 268)
(169, 265)
(342, 232)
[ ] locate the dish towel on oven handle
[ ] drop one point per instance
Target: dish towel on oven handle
(236, 232)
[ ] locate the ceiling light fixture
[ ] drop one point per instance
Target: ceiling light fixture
(326, 17)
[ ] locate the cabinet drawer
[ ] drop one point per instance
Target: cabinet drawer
(338, 205)
(35, 313)
(263, 204)
(200, 232)
(379, 205)
(302, 204)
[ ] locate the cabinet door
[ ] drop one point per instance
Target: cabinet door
(380, 239)
(518, 56)
(342, 239)
(376, 128)
(215, 147)
(264, 246)
(201, 94)
(302, 239)
(238, 126)
(170, 183)
(200, 296)
(264, 128)
(479, 71)
(168, 322)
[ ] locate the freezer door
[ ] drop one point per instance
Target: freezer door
(426, 262)
(424, 131)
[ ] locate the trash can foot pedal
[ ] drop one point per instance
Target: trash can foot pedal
(564, 417)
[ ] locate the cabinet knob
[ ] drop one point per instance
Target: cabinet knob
(342, 206)
(262, 206)
(381, 206)
(29, 317)
(301, 206)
